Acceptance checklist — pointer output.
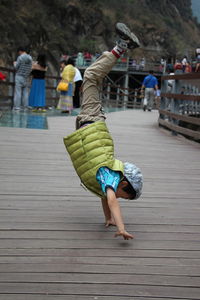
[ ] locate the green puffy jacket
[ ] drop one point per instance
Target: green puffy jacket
(90, 148)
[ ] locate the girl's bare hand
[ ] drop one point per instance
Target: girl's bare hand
(110, 222)
(125, 234)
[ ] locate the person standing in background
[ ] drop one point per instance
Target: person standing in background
(23, 67)
(2, 77)
(150, 84)
(65, 103)
(37, 97)
(184, 63)
(78, 79)
(197, 52)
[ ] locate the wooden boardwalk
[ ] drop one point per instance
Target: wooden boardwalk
(53, 244)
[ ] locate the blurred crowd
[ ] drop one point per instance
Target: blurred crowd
(183, 65)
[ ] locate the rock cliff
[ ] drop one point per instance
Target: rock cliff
(164, 27)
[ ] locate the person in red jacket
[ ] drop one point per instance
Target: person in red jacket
(2, 77)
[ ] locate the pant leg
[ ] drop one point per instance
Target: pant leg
(91, 108)
(146, 96)
(25, 93)
(151, 98)
(76, 97)
(18, 91)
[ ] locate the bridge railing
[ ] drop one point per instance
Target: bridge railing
(112, 95)
(126, 64)
(115, 96)
(7, 88)
(179, 109)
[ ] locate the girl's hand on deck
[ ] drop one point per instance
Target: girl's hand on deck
(125, 234)
(110, 222)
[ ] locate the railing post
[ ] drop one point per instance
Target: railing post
(135, 99)
(11, 87)
(108, 94)
(54, 92)
(118, 95)
(175, 105)
(163, 100)
(126, 90)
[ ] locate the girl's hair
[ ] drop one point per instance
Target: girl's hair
(70, 61)
(63, 61)
(129, 189)
(42, 60)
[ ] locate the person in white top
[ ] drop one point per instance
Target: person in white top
(197, 69)
(184, 63)
(78, 79)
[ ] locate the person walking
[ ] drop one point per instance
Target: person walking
(23, 67)
(91, 146)
(150, 84)
(37, 97)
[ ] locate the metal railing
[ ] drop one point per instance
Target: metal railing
(179, 109)
(125, 64)
(115, 96)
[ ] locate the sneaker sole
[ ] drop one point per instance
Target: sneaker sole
(125, 33)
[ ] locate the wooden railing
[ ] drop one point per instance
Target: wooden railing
(112, 95)
(179, 109)
(7, 89)
(125, 64)
(115, 96)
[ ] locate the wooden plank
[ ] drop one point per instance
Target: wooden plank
(103, 261)
(179, 129)
(66, 226)
(72, 297)
(74, 267)
(124, 290)
(89, 252)
(185, 76)
(181, 96)
(129, 279)
(100, 243)
(184, 118)
(75, 235)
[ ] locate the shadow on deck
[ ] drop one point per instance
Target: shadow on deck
(53, 244)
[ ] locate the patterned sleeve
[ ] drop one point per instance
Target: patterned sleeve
(108, 178)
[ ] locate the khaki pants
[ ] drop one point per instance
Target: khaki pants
(149, 96)
(91, 108)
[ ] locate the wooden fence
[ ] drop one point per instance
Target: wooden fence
(179, 108)
(115, 96)
(7, 89)
(112, 95)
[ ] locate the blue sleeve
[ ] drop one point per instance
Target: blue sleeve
(108, 178)
(144, 81)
